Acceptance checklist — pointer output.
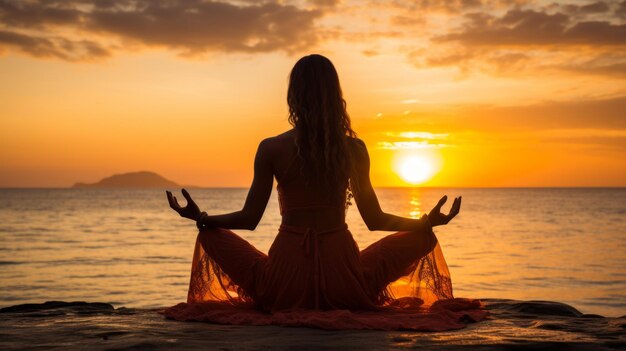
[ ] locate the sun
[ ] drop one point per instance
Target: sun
(415, 169)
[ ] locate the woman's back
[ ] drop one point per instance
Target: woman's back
(303, 203)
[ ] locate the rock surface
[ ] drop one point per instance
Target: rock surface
(513, 325)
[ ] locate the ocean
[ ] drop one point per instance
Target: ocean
(128, 248)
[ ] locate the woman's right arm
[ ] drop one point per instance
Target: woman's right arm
(369, 207)
(256, 201)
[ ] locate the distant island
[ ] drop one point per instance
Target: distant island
(142, 179)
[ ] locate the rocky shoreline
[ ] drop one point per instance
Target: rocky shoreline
(513, 325)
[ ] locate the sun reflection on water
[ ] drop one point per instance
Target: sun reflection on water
(414, 208)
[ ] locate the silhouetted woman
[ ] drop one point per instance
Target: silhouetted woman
(314, 273)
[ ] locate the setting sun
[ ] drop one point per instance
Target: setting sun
(415, 169)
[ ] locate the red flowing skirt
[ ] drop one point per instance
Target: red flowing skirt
(323, 280)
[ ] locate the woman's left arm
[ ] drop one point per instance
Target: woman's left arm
(256, 201)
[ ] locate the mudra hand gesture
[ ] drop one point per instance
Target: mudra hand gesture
(435, 217)
(191, 211)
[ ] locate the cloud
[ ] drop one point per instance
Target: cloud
(433, 6)
(620, 11)
(597, 124)
(189, 27)
(535, 28)
(36, 14)
(594, 7)
(69, 50)
(605, 113)
(491, 61)
(418, 135)
(196, 27)
(325, 3)
(408, 145)
(613, 136)
(413, 140)
(370, 52)
(442, 123)
(563, 38)
(606, 65)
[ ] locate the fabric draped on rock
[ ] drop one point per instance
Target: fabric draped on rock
(322, 279)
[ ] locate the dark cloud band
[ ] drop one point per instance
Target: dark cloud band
(188, 26)
(535, 28)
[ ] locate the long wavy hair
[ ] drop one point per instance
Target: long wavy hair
(317, 111)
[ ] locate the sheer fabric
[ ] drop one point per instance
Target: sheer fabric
(321, 279)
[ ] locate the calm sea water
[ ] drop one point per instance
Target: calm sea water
(127, 247)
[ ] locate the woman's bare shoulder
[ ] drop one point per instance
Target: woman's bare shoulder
(358, 146)
(278, 142)
(288, 135)
(356, 141)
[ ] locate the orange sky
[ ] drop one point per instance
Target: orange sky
(493, 93)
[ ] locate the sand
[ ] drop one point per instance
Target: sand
(513, 325)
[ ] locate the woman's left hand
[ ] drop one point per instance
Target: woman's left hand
(191, 211)
(435, 217)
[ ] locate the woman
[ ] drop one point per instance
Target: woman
(314, 274)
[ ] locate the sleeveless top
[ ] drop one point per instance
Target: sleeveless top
(295, 194)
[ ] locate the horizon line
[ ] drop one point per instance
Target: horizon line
(375, 187)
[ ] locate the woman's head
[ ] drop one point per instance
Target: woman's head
(318, 113)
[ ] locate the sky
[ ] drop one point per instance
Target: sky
(505, 93)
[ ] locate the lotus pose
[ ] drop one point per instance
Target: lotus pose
(314, 273)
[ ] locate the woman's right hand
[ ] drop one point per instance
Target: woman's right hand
(191, 211)
(435, 217)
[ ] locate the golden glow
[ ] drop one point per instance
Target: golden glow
(415, 169)
(505, 116)
(415, 206)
